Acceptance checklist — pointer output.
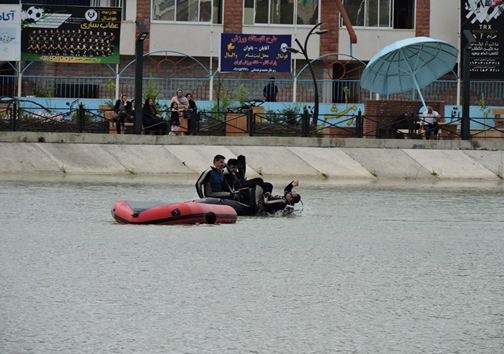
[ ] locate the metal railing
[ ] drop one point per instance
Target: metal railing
(15, 117)
(18, 115)
(289, 90)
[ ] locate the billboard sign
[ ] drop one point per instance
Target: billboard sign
(71, 34)
(485, 20)
(255, 53)
(10, 32)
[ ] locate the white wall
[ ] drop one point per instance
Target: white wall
(131, 6)
(197, 40)
(444, 20)
(128, 29)
(128, 37)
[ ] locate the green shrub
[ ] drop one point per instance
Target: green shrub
(225, 97)
(292, 114)
(40, 91)
(150, 91)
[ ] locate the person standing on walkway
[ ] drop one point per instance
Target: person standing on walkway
(183, 106)
(270, 91)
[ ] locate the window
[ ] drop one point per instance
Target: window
(187, 10)
(404, 14)
(282, 12)
(380, 13)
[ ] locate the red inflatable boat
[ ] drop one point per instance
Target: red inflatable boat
(132, 212)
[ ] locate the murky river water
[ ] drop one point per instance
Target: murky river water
(366, 268)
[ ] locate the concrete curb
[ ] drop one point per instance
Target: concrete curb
(129, 139)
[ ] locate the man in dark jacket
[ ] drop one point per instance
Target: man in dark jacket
(212, 183)
(270, 91)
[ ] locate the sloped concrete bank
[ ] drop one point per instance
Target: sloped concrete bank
(367, 159)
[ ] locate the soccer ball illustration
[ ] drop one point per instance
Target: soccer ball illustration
(6, 38)
(33, 14)
(283, 47)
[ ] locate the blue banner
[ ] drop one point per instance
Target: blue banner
(255, 53)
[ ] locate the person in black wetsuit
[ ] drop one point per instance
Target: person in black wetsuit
(272, 203)
(212, 182)
(249, 190)
(233, 181)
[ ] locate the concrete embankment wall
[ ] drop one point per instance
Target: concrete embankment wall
(96, 154)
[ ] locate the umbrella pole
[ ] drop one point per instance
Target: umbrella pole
(419, 92)
(413, 74)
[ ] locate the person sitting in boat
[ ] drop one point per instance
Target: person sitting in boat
(231, 175)
(238, 181)
(272, 203)
(211, 182)
(249, 190)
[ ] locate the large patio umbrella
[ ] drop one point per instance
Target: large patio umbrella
(408, 64)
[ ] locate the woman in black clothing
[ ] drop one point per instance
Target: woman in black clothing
(192, 104)
(191, 112)
(122, 107)
(152, 121)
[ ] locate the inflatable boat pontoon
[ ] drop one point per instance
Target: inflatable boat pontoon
(135, 212)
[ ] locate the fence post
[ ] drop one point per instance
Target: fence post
(411, 124)
(80, 118)
(194, 123)
(305, 123)
(359, 124)
(13, 115)
(251, 121)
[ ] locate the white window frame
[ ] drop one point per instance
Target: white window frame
(294, 17)
(191, 22)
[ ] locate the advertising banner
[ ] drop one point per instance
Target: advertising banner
(485, 20)
(10, 32)
(71, 34)
(255, 53)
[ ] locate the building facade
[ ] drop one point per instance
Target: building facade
(184, 44)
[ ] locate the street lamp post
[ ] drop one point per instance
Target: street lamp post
(144, 32)
(303, 50)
